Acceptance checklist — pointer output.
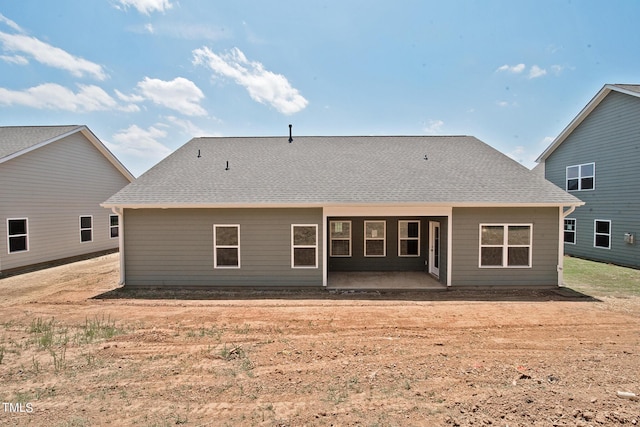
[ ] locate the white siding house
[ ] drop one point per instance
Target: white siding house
(52, 180)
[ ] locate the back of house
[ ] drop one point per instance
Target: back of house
(53, 179)
(596, 159)
(294, 212)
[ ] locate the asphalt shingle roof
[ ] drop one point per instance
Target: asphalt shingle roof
(632, 88)
(338, 170)
(17, 138)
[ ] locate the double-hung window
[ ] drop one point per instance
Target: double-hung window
(570, 230)
(602, 234)
(226, 246)
(375, 238)
(114, 229)
(408, 238)
(86, 228)
(581, 177)
(304, 246)
(505, 245)
(17, 235)
(340, 236)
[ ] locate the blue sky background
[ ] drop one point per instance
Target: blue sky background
(148, 75)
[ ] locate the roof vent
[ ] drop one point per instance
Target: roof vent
(199, 154)
(227, 168)
(290, 137)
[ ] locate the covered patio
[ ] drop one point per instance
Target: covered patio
(383, 280)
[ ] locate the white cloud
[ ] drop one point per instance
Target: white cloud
(263, 86)
(149, 28)
(187, 126)
(51, 55)
(515, 69)
(557, 69)
(516, 154)
(142, 143)
(8, 22)
(145, 6)
(53, 96)
(547, 140)
(129, 98)
(536, 72)
(15, 59)
(178, 94)
(433, 127)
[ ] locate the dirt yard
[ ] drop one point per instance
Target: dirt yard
(75, 351)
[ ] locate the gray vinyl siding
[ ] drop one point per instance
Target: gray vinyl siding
(174, 247)
(53, 186)
(466, 247)
(609, 137)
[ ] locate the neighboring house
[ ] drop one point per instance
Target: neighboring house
(596, 158)
(52, 180)
(270, 212)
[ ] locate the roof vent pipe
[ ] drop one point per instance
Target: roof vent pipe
(227, 168)
(290, 137)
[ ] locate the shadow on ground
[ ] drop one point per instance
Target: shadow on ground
(474, 294)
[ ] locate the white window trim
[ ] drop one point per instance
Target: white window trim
(505, 246)
(601, 234)
(331, 239)
(26, 220)
(294, 246)
(400, 239)
(575, 232)
(114, 226)
(384, 239)
(83, 229)
(216, 246)
(579, 166)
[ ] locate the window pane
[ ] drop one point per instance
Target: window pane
(304, 235)
(85, 222)
(227, 236)
(573, 172)
(114, 231)
(491, 256)
(17, 244)
(519, 234)
(304, 257)
(339, 247)
(518, 256)
(113, 220)
(85, 235)
(374, 248)
(586, 170)
(572, 184)
(340, 229)
(408, 247)
(602, 227)
(375, 229)
(602, 241)
(569, 224)
(586, 184)
(17, 226)
(413, 229)
(569, 236)
(492, 235)
(227, 257)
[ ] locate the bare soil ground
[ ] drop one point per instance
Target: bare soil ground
(75, 350)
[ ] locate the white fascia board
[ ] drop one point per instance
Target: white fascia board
(337, 208)
(40, 144)
(107, 153)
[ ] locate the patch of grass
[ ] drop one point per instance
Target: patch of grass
(96, 329)
(600, 279)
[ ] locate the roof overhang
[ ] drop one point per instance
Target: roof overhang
(332, 205)
(606, 89)
(86, 132)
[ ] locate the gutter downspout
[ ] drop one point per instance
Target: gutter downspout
(120, 213)
(563, 215)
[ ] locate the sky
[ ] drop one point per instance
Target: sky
(146, 76)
